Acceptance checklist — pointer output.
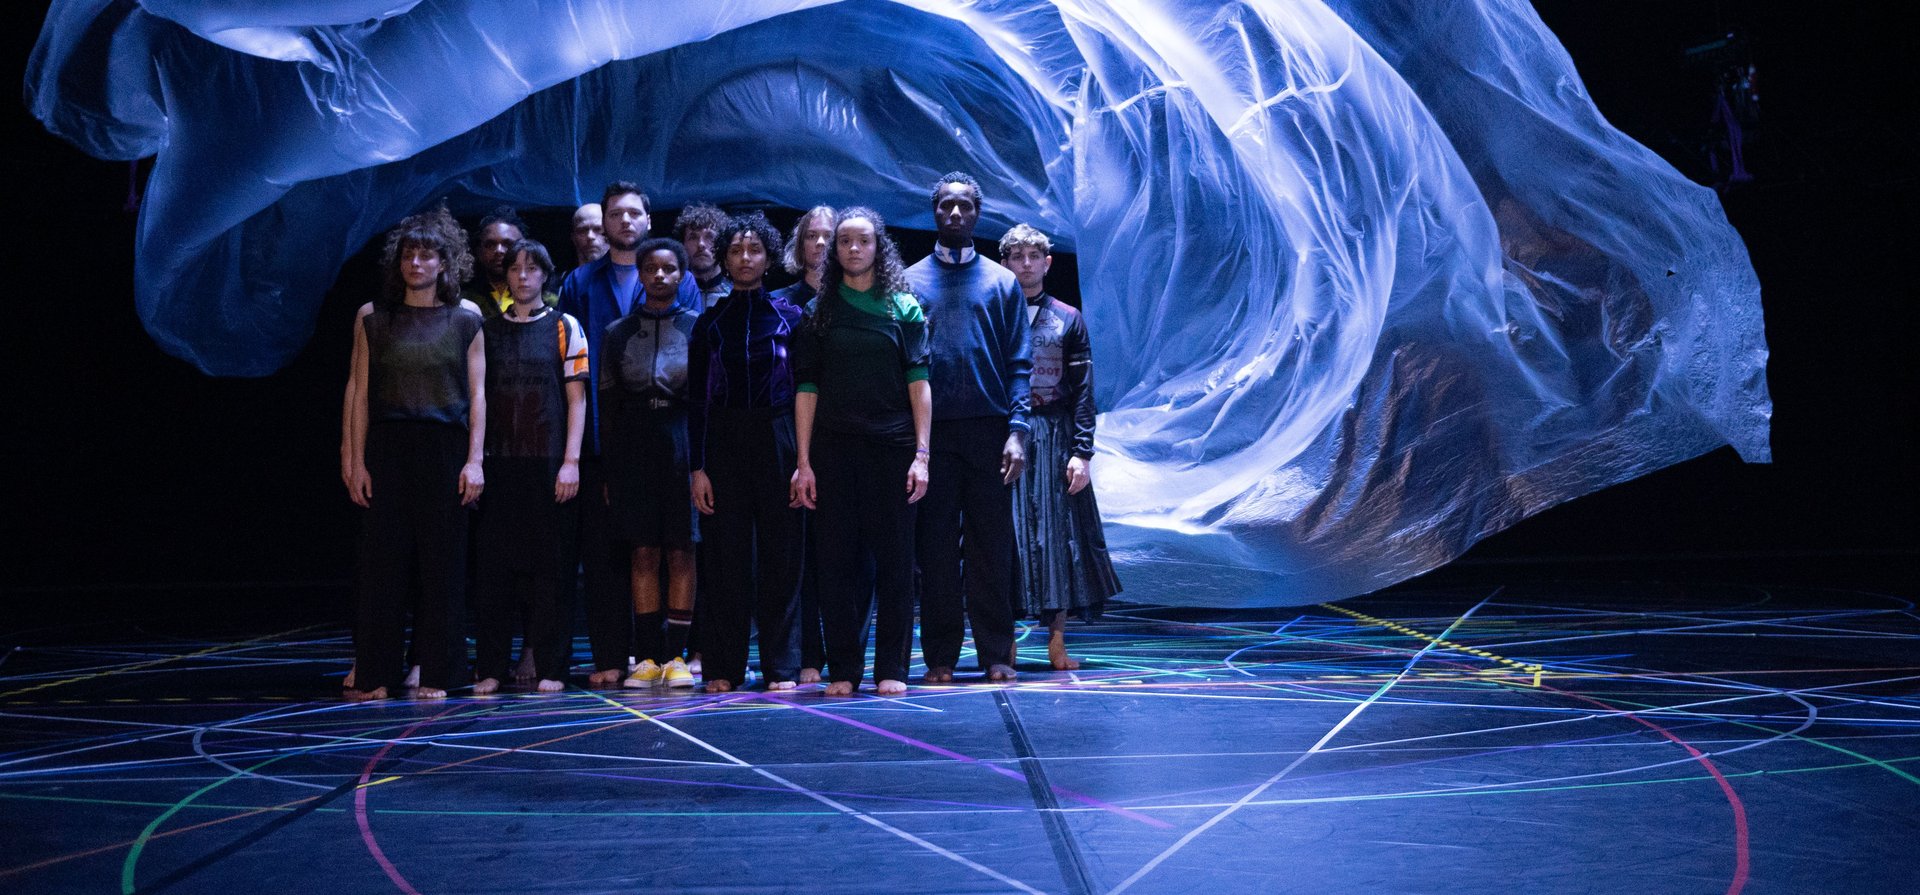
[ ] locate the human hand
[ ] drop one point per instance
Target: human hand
(702, 492)
(1079, 475)
(567, 484)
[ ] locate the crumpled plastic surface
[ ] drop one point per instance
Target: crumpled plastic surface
(1367, 281)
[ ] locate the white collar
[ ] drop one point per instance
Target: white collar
(960, 255)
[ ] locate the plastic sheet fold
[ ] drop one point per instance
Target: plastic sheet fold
(1366, 281)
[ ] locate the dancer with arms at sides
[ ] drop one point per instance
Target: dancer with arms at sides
(740, 436)
(1056, 523)
(416, 427)
(805, 256)
(862, 414)
(643, 400)
(537, 398)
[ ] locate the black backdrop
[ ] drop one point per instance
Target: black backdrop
(129, 472)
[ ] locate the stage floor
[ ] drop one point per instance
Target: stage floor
(1556, 737)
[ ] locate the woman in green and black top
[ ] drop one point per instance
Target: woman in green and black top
(862, 412)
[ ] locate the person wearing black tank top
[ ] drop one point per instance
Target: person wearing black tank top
(415, 424)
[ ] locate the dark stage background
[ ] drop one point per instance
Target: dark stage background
(132, 475)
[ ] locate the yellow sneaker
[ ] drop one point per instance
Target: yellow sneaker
(675, 674)
(646, 674)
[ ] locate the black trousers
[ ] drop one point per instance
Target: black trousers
(414, 533)
(810, 647)
(605, 564)
(864, 544)
(524, 540)
(752, 545)
(967, 514)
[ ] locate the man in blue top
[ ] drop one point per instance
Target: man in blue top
(982, 358)
(597, 294)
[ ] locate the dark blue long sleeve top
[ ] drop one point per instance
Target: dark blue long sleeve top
(977, 324)
(740, 359)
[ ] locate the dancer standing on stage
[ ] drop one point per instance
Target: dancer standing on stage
(643, 397)
(862, 413)
(495, 238)
(698, 228)
(740, 436)
(805, 256)
(537, 398)
(1056, 523)
(982, 358)
(416, 427)
(597, 294)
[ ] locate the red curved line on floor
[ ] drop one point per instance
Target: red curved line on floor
(1742, 856)
(360, 808)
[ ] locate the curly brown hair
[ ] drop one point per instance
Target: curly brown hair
(436, 230)
(889, 275)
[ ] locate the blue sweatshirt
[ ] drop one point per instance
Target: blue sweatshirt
(977, 324)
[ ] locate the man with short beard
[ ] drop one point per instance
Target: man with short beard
(492, 248)
(597, 294)
(982, 359)
(696, 229)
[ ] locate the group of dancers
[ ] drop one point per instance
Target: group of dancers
(871, 434)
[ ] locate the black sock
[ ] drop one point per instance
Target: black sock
(678, 621)
(646, 634)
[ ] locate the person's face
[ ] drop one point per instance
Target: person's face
(955, 214)
(420, 266)
(814, 242)
(626, 222)
(660, 272)
(1029, 265)
(525, 279)
(854, 245)
(589, 233)
(699, 243)
(495, 242)
(747, 260)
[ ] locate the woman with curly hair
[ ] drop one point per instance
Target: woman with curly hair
(805, 256)
(862, 415)
(740, 437)
(415, 430)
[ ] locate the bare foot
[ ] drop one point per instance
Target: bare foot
(809, 675)
(346, 683)
(840, 688)
(605, 677)
(551, 686)
(523, 671)
(890, 688)
(1057, 655)
(775, 686)
(1001, 674)
(719, 685)
(352, 695)
(429, 693)
(486, 685)
(413, 677)
(939, 674)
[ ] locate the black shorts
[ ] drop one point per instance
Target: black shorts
(650, 498)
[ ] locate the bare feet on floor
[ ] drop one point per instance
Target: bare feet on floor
(840, 688)
(719, 685)
(606, 677)
(1057, 656)
(352, 695)
(1001, 674)
(413, 677)
(938, 674)
(486, 685)
(551, 686)
(890, 688)
(523, 671)
(347, 683)
(774, 686)
(429, 693)
(809, 675)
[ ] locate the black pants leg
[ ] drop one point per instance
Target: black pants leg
(865, 548)
(966, 503)
(415, 533)
(752, 543)
(809, 643)
(605, 565)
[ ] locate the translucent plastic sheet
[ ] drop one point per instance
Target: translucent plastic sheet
(1366, 281)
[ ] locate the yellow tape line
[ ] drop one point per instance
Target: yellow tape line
(1397, 628)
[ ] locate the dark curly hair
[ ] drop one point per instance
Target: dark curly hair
(973, 186)
(790, 256)
(889, 275)
(756, 224)
(436, 230)
(502, 214)
(701, 216)
(656, 243)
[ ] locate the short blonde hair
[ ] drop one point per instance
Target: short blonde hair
(1025, 235)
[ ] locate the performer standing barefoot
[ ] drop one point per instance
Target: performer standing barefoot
(805, 256)
(862, 414)
(536, 389)
(1056, 524)
(740, 436)
(416, 416)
